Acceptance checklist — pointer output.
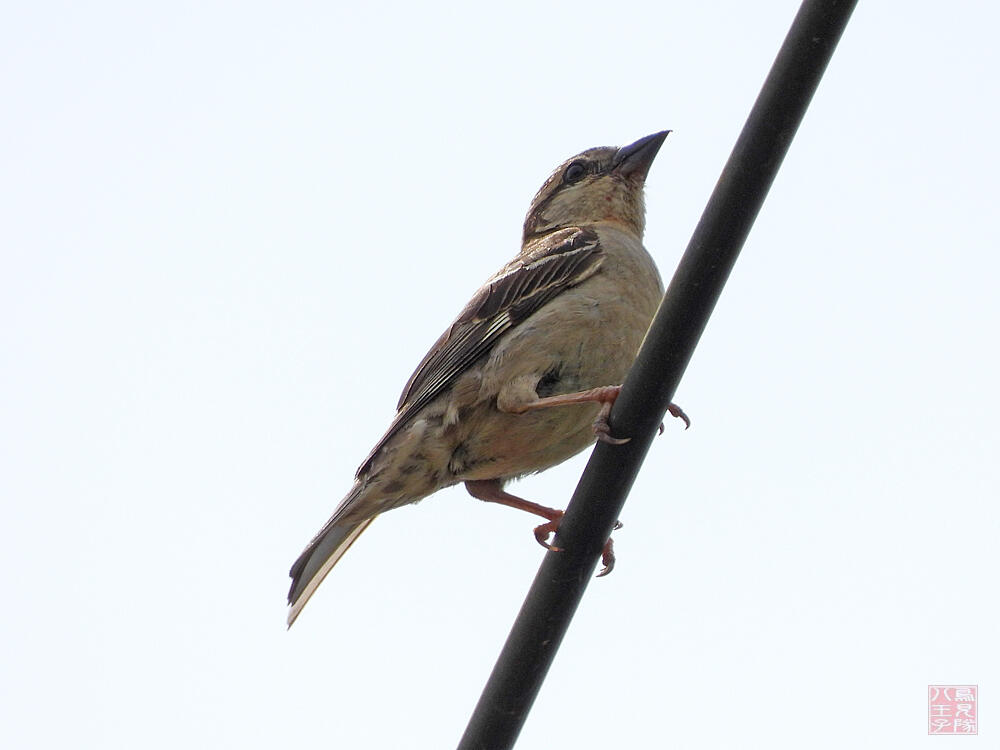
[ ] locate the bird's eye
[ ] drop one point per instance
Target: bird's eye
(575, 172)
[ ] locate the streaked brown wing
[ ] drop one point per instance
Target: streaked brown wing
(544, 270)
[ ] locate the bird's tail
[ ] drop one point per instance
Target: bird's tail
(317, 559)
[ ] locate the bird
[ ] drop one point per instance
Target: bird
(526, 375)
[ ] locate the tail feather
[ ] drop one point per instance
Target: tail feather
(318, 559)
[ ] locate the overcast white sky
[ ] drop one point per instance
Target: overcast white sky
(230, 230)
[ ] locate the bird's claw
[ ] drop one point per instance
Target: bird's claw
(608, 557)
(603, 430)
(543, 531)
(676, 411)
(602, 435)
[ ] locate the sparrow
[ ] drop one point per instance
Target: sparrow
(526, 375)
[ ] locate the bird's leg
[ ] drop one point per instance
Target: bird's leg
(491, 491)
(605, 396)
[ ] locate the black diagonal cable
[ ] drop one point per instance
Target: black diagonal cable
(687, 305)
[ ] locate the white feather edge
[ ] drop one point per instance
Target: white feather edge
(316, 580)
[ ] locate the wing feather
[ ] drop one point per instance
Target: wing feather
(545, 269)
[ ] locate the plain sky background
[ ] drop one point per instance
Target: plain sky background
(229, 231)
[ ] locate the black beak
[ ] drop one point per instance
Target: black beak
(634, 160)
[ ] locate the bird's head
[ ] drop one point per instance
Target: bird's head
(599, 185)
